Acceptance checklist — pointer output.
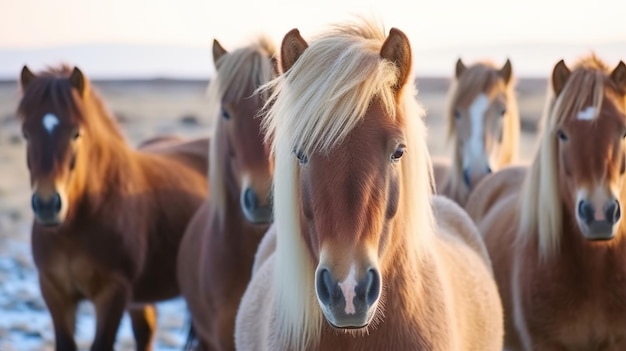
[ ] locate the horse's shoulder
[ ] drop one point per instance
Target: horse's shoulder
(494, 188)
(453, 221)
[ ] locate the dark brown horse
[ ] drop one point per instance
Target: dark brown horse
(108, 218)
(215, 257)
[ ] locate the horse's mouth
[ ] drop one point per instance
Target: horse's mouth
(598, 231)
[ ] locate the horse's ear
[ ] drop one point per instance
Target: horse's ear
(460, 68)
(506, 72)
(618, 76)
(78, 81)
(560, 75)
(292, 47)
(218, 51)
(26, 77)
(397, 49)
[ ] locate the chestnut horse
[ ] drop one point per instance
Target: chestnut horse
(216, 255)
(483, 124)
(108, 218)
(358, 241)
(558, 245)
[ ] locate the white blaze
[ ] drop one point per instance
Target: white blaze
(587, 114)
(50, 121)
(474, 149)
(348, 288)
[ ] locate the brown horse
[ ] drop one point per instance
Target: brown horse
(108, 218)
(483, 124)
(358, 242)
(217, 252)
(558, 244)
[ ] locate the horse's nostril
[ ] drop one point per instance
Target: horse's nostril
(250, 200)
(585, 211)
(324, 286)
(56, 202)
(372, 288)
(613, 212)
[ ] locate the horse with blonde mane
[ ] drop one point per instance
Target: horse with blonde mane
(483, 124)
(558, 244)
(108, 218)
(365, 257)
(217, 251)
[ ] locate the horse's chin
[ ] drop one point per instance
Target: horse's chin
(598, 230)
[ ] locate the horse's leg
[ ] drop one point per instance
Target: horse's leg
(110, 303)
(144, 321)
(62, 306)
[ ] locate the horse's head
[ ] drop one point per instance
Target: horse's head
(588, 126)
(50, 111)
(243, 156)
(482, 118)
(337, 120)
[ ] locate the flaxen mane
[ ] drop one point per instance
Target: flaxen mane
(541, 212)
(236, 72)
(337, 78)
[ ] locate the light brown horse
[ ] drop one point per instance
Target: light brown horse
(558, 246)
(363, 259)
(108, 218)
(215, 258)
(483, 125)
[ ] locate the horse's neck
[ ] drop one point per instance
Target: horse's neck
(575, 248)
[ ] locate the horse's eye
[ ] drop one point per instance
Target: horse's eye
(561, 135)
(25, 135)
(76, 135)
(302, 157)
(624, 135)
(225, 114)
(397, 155)
(503, 112)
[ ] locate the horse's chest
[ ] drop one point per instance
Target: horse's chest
(583, 311)
(77, 272)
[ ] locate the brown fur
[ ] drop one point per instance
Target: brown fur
(217, 252)
(561, 290)
(127, 210)
(350, 202)
(501, 127)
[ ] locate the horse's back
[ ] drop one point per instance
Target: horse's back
(494, 188)
(476, 304)
(193, 152)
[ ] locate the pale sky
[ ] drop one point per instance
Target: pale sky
(434, 23)
(30, 24)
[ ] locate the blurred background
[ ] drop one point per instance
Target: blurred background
(151, 61)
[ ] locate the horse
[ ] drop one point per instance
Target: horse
(217, 252)
(358, 243)
(557, 244)
(483, 125)
(108, 218)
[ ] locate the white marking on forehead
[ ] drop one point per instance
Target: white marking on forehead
(50, 121)
(475, 147)
(348, 288)
(587, 114)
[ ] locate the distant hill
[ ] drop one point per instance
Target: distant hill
(124, 61)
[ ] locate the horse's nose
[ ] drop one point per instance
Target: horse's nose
(51, 206)
(613, 212)
(586, 211)
(331, 293)
(250, 200)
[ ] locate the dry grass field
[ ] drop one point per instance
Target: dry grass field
(146, 109)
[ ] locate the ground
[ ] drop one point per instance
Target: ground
(146, 109)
